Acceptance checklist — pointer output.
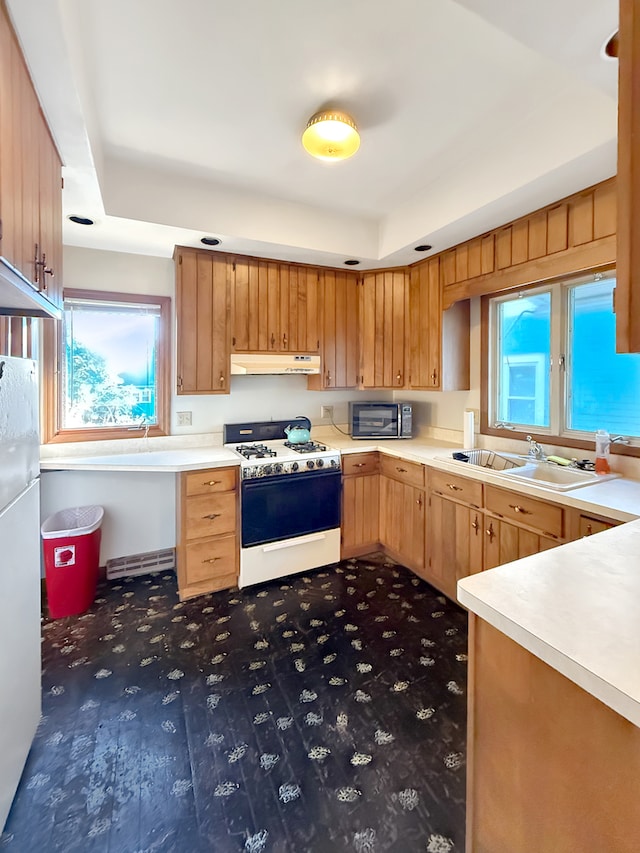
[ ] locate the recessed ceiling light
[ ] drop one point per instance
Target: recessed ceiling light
(210, 241)
(81, 220)
(423, 247)
(331, 135)
(352, 262)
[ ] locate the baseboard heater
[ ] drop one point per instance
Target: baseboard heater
(141, 564)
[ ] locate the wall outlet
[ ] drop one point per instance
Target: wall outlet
(184, 418)
(326, 412)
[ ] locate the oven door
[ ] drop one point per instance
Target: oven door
(276, 508)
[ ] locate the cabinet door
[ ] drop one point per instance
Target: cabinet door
(50, 215)
(360, 506)
(383, 312)
(505, 542)
(339, 331)
(425, 335)
(256, 305)
(454, 543)
(300, 331)
(402, 522)
(203, 323)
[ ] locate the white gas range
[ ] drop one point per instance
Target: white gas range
(290, 501)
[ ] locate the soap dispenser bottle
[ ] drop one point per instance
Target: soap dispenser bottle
(603, 443)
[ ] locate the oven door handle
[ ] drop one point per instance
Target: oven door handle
(291, 543)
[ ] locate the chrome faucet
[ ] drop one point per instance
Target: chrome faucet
(620, 439)
(535, 449)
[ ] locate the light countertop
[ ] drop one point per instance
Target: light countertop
(174, 459)
(577, 608)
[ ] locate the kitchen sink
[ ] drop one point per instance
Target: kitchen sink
(513, 467)
(552, 476)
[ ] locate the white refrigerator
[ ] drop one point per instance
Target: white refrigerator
(20, 673)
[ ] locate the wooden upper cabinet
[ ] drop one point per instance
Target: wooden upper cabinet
(202, 314)
(275, 307)
(383, 309)
(437, 341)
(628, 182)
(338, 331)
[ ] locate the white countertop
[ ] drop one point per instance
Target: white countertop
(617, 499)
(576, 607)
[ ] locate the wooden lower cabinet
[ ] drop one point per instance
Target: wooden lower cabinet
(505, 542)
(402, 512)
(455, 537)
(360, 515)
(550, 769)
(207, 522)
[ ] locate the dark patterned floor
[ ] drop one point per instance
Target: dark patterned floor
(321, 713)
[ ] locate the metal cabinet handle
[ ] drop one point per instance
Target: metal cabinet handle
(454, 488)
(475, 525)
(328, 377)
(419, 502)
(221, 380)
(284, 340)
(399, 377)
(589, 530)
(401, 470)
(434, 377)
(273, 339)
(359, 464)
(212, 483)
(490, 532)
(520, 509)
(212, 516)
(211, 560)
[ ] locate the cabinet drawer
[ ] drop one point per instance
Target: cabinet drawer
(543, 516)
(360, 463)
(206, 482)
(458, 488)
(587, 526)
(209, 515)
(407, 472)
(211, 558)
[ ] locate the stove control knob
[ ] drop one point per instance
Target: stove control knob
(320, 463)
(311, 464)
(278, 468)
(334, 463)
(294, 466)
(267, 470)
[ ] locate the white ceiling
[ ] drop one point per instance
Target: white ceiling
(180, 119)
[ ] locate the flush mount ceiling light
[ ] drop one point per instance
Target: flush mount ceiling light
(331, 135)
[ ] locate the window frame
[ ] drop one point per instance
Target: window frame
(559, 288)
(53, 385)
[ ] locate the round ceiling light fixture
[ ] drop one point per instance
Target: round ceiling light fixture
(331, 135)
(80, 220)
(210, 241)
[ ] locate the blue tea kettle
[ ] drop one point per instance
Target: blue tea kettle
(299, 432)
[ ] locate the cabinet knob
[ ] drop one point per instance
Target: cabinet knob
(419, 502)
(359, 464)
(212, 516)
(454, 488)
(399, 378)
(211, 560)
(434, 377)
(490, 532)
(221, 380)
(475, 525)
(520, 509)
(284, 340)
(212, 483)
(401, 470)
(273, 339)
(328, 377)
(589, 530)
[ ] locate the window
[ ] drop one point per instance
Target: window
(115, 360)
(553, 365)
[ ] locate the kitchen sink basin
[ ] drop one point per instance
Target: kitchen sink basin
(485, 459)
(552, 476)
(513, 467)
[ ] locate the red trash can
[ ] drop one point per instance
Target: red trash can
(71, 545)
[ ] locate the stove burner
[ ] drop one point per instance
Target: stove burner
(307, 447)
(257, 451)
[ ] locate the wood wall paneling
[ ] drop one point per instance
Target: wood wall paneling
(520, 242)
(503, 248)
(538, 235)
(581, 220)
(557, 229)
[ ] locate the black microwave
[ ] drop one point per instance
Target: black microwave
(380, 420)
